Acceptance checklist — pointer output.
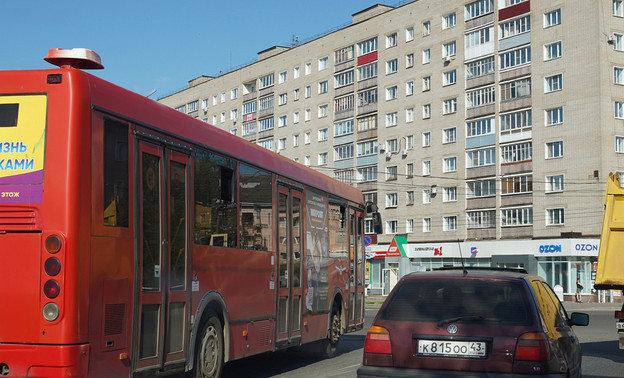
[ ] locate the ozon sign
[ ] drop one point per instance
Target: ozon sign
(550, 248)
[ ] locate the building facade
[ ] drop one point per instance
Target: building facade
(489, 121)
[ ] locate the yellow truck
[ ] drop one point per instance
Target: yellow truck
(610, 270)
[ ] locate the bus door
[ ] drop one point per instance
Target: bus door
(163, 257)
(290, 248)
(356, 266)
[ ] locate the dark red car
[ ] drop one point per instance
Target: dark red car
(472, 322)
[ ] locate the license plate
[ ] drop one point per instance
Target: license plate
(462, 349)
(619, 325)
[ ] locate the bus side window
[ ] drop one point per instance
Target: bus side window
(215, 202)
(256, 202)
(115, 173)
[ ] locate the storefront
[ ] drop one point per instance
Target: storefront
(558, 261)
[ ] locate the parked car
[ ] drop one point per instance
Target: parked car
(472, 322)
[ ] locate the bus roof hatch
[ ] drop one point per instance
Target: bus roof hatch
(75, 58)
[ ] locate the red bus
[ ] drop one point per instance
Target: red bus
(138, 241)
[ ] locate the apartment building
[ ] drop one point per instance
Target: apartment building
(483, 130)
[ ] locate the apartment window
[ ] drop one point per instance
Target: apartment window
(296, 74)
(480, 97)
(554, 183)
(515, 58)
(249, 128)
(308, 68)
(367, 123)
(282, 77)
(479, 127)
(555, 217)
(515, 90)
(296, 140)
(409, 115)
(306, 137)
(306, 160)
(367, 46)
(323, 63)
(619, 144)
(449, 49)
(222, 117)
(343, 55)
(517, 121)
(222, 97)
(296, 94)
(266, 103)
(426, 139)
(367, 148)
(552, 50)
(308, 91)
(233, 114)
(343, 152)
(449, 106)
(322, 158)
(409, 170)
(478, 38)
(619, 109)
(323, 87)
(554, 149)
(268, 144)
(517, 184)
(480, 67)
(410, 142)
(478, 8)
(553, 83)
(343, 103)
(426, 83)
(449, 77)
(282, 99)
(391, 173)
(367, 71)
(266, 81)
(409, 226)
(322, 135)
(481, 157)
(515, 27)
(391, 93)
(426, 225)
(426, 196)
(449, 194)
(392, 227)
(367, 174)
(481, 219)
(391, 40)
(409, 34)
(343, 127)
(410, 198)
(370, 197)
(409, 60)
(617, 41)
(233, 93)
(426, 28)
(553, 116)
(449, 223)
(552, 18)
(205, 103)
(392, 66)
(296, 117)
(322, 111)
(192, 106)
(392, 145)
(214, 119)
(449, 135)
(281, 144)
(481, 188)
(450, 165)
(426, 111)
(343, 79)
(618, 75)
(266, 124)
(517, 152)
(426, 56)
(519, 216)
(367, 97)
(214, 100)
(448, 21)
(392, 119)
(617, 8)
(426, 167)
(392, 199)
(409, 88)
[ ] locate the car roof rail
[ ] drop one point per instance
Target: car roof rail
(491, 268)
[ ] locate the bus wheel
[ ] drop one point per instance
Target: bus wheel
(209, 359)
(329, 346)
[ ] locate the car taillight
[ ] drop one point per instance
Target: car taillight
(619, 314)
(532, 346)
(52, 267)
(377, 341)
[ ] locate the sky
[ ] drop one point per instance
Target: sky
(161, 45)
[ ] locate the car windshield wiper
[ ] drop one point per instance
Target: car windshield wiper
(467, 318)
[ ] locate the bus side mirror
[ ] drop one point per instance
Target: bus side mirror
(377, 228)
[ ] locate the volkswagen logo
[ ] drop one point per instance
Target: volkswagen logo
(452, 328)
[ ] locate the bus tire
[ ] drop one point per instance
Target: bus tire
(210, 352)
(329, 345)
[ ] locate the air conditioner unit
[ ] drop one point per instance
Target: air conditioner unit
(611, 39)
(389, 154)
(404, 153)
(447, 59)
(382, 150)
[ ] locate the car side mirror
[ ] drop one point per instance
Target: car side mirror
(578, 319)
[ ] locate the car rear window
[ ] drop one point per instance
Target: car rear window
(470, 300)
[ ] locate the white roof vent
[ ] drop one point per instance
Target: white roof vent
(80, 58)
